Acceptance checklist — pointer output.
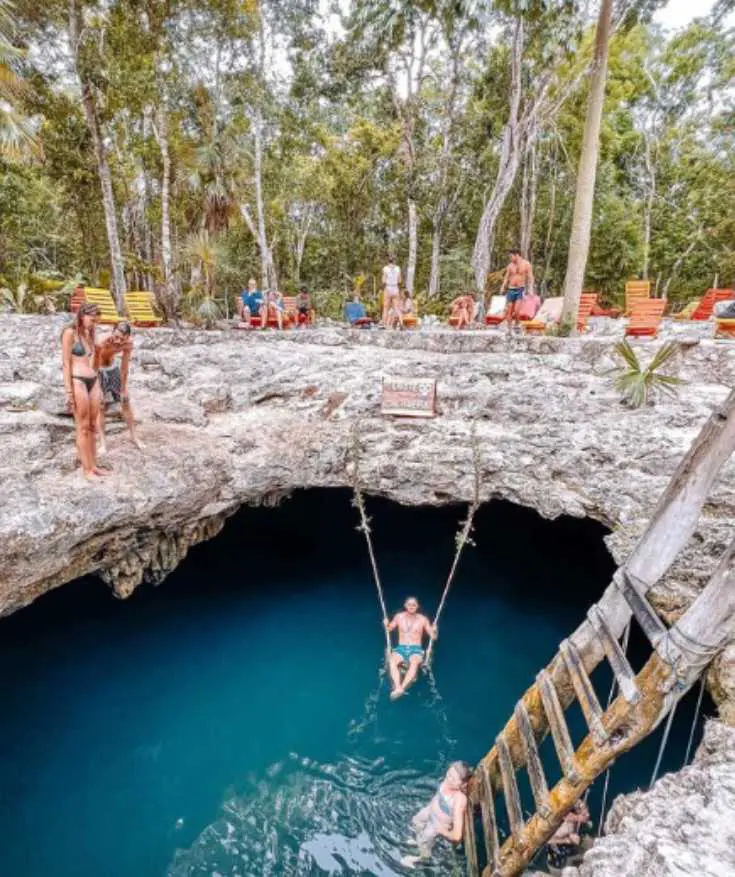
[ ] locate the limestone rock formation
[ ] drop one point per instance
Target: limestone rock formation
(683, 826)
(232, 418)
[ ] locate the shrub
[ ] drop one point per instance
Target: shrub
(637, 384)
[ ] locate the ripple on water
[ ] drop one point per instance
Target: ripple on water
(307, 819)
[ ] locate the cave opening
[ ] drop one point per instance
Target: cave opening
(234, 720)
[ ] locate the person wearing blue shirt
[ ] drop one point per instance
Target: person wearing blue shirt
(355, 312)
(250, 304)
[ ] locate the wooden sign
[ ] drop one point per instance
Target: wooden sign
(409, 397)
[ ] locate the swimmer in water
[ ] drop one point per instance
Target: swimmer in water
(444, 815)
(410, 651)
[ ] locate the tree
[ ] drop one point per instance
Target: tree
(579, 242)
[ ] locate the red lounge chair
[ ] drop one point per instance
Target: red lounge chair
(646, 317)
(586, 302)
(705, 308)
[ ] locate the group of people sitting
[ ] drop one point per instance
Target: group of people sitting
(95, 378)
(269, 307)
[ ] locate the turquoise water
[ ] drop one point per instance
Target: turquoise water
(234, 721)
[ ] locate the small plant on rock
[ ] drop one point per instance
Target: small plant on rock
(637, 384)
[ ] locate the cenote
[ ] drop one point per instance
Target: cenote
(233, 721)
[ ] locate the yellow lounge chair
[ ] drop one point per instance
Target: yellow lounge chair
(139, 306)
(105, 302)
(687, 312)
(635, 290)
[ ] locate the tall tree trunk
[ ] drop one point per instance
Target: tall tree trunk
(413, 244)
(528, 197)
(551, 222)
(508, 164)
(265, 259)
(100, 153)
(648, 209)
(436, 245)
(579, 242)
(170, 296)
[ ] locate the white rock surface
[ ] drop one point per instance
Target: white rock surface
(683, 827)
(233, 417)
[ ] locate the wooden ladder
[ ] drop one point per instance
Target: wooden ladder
(611, 732)
(679, 655)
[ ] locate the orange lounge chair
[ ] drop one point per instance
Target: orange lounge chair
(686, 312)
(646, 317)
(292, 311)
(100, 297)
(586, 302)
(706, 307)
(634, 291)
(139, 306)
(725, 327)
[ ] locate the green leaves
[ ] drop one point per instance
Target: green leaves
(636, 384)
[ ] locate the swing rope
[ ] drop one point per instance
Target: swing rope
(696, 717)
(664, 741)
(613, 688)
(359, 503)
(463, 536)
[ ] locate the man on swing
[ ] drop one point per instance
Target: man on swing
(410, 651)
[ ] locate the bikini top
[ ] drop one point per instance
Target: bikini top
(79, 349)
(445, 802)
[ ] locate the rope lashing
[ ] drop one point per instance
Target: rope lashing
(613, 688)
(463, 536)
(359, 502)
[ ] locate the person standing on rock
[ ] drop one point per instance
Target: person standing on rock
(410, 651)
(81, 383)
(114, 379)
(518, 281)
(391, 288)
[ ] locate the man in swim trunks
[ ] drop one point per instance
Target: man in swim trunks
(410, 651)
(518, 281)
(391, 288)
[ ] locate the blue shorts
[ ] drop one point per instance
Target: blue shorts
(407, 652)
(514, 295)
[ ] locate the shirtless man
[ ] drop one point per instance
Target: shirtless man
(391, 288)
(411, 629)
(567, 846)
(518, 281)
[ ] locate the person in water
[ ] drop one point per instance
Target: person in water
(410, 651)
(114, 378)
(566, 846)
(81, 383)
(444, 815)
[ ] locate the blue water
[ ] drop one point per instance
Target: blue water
(234, 721)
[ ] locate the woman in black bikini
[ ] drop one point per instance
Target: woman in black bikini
(82, 386)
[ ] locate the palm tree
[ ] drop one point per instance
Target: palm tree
(17, 140)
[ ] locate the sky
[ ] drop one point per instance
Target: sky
(678, 13)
